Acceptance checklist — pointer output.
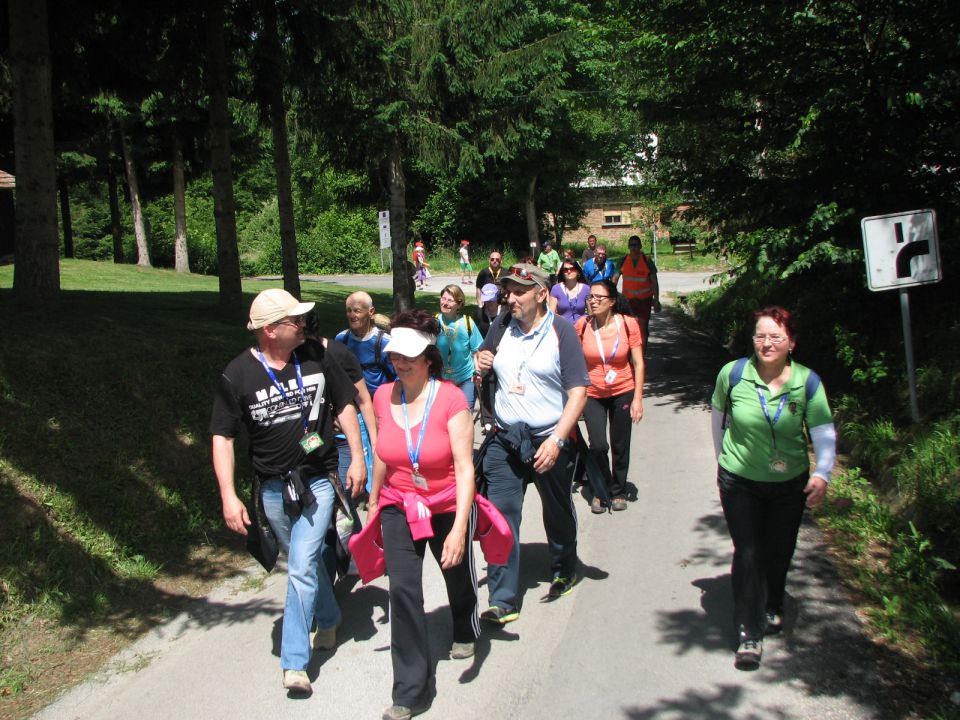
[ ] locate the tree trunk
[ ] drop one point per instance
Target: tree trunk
(530, 209)
(139, 231)
(181, 259)
(64, 191)
(228, 257)
(36, 273)
(115, 230)
(275, 82)
(402, 281)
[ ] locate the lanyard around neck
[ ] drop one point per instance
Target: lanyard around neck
(279, 387)
(766, 413)
(414, 453)
(616, 344)
(543, 329)
(450, 332)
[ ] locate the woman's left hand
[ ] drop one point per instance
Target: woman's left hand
(816, 490)
(453, 549)
(636, 409)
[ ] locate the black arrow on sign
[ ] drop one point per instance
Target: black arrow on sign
(908, 252)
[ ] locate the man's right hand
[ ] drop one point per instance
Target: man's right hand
(235, 515)
(484, 361)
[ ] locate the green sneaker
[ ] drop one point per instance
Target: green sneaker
(496, 615)
(561, 586)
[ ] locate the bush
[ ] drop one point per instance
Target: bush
(339, 241)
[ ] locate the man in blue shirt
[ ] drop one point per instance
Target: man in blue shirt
(366, 341)
(598, 267)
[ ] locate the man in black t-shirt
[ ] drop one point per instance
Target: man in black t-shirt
(287, 392)
(491, 273)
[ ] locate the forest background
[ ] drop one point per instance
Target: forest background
(261, 137)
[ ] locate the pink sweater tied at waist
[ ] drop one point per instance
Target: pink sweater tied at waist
(492, 530)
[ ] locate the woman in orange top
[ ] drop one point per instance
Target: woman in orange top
(612, 346)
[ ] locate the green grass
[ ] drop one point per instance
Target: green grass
(105, 474)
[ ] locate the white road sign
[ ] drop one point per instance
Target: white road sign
(384, 229)
(901, 249)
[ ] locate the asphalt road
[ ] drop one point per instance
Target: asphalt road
(678, 282)
(646, 634)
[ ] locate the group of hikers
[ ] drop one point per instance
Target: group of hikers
(386, 413)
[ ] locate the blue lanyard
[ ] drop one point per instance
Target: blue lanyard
(278, 386)
(766, 412)
(415, 454)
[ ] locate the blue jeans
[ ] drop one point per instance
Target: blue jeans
(310, 599)
(506, 482)
(470, 390)
(345, 457)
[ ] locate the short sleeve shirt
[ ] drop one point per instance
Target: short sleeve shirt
(247, 397)
(569, 307)
(457, 342)
(594, 274)
(436, 457)
(749, 446)
(616, 342)
(369, 353)
(534, 372)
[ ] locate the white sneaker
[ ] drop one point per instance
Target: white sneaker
(297, 681)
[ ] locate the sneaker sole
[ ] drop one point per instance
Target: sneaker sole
(502, 620)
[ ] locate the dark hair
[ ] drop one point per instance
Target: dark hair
(576, 265)
(619, 304)
(634, 238)
(781, 316)
(426, 323)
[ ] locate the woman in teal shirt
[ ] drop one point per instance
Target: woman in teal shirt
(458, 342)
(759, 409)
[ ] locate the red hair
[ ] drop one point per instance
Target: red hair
(781, 316)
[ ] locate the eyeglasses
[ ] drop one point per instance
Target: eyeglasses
(569, 269)
(495, 259)
(598, 297)
(633, 245)
(293, 322)
(760, 338)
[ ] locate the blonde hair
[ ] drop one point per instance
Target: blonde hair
(457, 293)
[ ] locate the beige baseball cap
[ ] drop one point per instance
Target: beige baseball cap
(273, 305)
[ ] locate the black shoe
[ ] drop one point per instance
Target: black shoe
(748, 654)
(774, 622)
(496, 615)
(562, 586)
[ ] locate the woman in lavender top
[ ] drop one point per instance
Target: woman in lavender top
(568, 298)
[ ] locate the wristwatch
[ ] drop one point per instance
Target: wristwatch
(559, 441)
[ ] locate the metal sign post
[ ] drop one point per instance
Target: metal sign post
(902, 250)
(654, 229)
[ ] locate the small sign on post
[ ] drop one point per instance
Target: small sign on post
(384, 216)
(902, 250)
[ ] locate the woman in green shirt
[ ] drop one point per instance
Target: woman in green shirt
(759, 409)
(549, 261)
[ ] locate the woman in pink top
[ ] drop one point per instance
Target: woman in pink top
(424, 448)
(612, 346)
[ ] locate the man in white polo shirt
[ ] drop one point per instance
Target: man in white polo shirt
(537, 363)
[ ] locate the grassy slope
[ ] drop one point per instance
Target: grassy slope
(105, 473)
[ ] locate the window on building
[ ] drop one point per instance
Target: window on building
(616, 218)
